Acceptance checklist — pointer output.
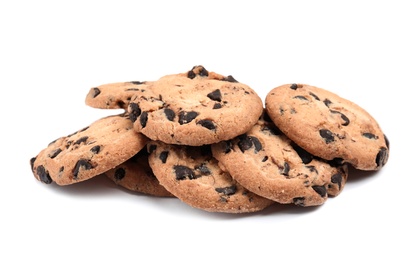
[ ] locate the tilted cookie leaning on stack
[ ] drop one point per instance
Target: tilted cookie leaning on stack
(209, 141)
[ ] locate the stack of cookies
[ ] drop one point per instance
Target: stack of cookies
(211, 142)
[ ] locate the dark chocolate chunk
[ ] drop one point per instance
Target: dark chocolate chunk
(244, 143)
(369, 135)
(32, 160)
(203, 72)
(228, 146)
(293, 86)
(169, 113)
(327, 102)
(305, 156)
(208, 124)
(264, 159)
(81, 140)
(203, 169)
(321, 190)
(230, 79)
(137, 82)
(163, 156)
(55, 153)
(301, 97)
(257, 143)
(135, 111)
(81, 164)
(285, 170)
(344, 117)
(314, 96)
(230, 190)
(120, 174)
(217, 106)
(299, 201)
(337, 179)
(215, 95)
(95, 149)
(182, 172)
(143, 119)
(327, 135)
(96, 92)
(186, 117)
(43, 174)
(381, 157)
(191, 74)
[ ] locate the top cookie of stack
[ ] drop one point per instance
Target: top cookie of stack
(193, 108)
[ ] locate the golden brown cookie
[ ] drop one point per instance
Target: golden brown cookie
(93, 150)
(193, 175)
(328, 126)
(195, 108)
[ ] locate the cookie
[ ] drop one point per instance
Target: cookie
(195, 108)
(136, 175)
(328, 126)
(114, 95)
(193, 175)
(93, 150)
(268, 163)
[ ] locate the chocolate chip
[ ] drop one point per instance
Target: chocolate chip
(81, 140)
(191, 74)
(305, 156)
(81, 164)
(344, 117)
(137, 82)
(208, 124)
(230, 190)
(143, 119)
(135, 111)
(186, 117)
(244, 143)
(120, 174)
(381, 157)
(321, 190)
(293, 86)
(152, 148)
(163, 156)
(169, 113)
(327, 135)
(299, 201)
(285, 170)
(369, 135)
(55, 153)
(43, 174)
(96, 92)
(203, 72)
(215, 95)
(217, 106)
(264, 159)
(230, 79)
(314, 96)
(257, 143)
(95, 149)
(228, 146)
(337, 179)
(327, 102)
(205, 171)
(32, 160)
(183, 172)
(301, 97)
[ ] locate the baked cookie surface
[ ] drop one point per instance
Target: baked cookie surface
(193, 175)
(266, 162)
(195, 108)
(328, 126)
(104, 144)
(114, 95)
(135, 174)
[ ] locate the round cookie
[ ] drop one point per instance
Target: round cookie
(193, 175)
(266, 162)
(195, 108)
(328, 126)
(114, 95)
(135, 174)
(88, 152)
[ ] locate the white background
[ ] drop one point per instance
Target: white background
(53, 52)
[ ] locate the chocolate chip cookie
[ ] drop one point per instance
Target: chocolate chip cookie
(328, 126)
(93, 150)
(195, 108)
(268, 163)
(193, 175)
(135, 174)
